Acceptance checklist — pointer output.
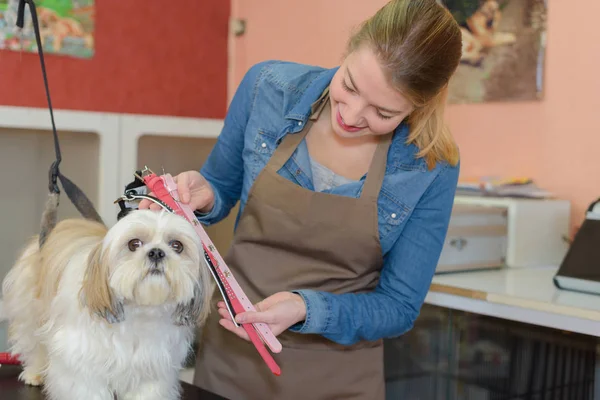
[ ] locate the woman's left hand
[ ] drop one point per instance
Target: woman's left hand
(279, 311)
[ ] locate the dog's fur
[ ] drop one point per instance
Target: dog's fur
(91, 318)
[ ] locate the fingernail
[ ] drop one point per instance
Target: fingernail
(240, 319)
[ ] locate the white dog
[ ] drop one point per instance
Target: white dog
(96, 313)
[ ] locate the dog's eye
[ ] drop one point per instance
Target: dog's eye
(134, 244)
(176, 245)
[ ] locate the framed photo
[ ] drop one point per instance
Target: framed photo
(503, 50)
(66, 27)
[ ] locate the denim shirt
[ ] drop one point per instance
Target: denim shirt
(414, 204)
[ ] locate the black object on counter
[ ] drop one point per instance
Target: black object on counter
(12, 389)
(580, 268)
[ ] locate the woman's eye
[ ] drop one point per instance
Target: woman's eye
(346, 87)
(176, 245)
(380, 115)
(134, 244)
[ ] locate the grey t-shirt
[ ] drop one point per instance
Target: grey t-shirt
(324, 178)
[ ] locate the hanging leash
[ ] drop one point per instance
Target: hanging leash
(74, 193)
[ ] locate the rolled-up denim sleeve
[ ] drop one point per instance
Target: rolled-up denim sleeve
(224, 167)
(391, 309)
(317, 312)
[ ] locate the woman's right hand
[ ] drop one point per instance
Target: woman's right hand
(193, 190)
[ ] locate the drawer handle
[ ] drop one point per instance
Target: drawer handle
(459, 243)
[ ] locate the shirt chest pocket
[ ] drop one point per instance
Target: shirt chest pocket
(391, 215)
(263, 145)
(265, 142)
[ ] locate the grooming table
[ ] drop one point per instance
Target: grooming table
(12, 389)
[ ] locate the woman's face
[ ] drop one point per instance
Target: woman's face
(362, 101)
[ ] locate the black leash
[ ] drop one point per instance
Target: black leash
(77, 197)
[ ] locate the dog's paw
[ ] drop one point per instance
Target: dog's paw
(31, 379)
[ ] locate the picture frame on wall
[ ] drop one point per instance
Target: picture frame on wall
(503, 55)
(66, 27)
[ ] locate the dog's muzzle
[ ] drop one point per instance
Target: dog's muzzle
(156, 254)
(156, 257)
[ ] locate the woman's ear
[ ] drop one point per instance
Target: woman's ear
(95, 292)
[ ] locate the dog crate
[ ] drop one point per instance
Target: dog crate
(453, 355)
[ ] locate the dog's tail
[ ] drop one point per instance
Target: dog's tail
(49, 217)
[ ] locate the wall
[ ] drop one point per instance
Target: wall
(554, 141)
(163, 59)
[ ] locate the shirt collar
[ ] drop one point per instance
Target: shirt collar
(316, 91)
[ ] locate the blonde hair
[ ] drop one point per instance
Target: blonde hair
(419, 44)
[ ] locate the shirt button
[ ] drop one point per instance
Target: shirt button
(394, 215)
(264, 145)
(299, 122)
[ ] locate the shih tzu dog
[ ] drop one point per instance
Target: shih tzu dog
(98, 312)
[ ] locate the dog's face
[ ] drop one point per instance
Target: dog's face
(148, 258)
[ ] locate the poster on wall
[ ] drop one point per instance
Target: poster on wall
(503, 50)
(66, 27)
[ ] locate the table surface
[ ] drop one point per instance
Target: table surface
(12, 389)
(528, 291)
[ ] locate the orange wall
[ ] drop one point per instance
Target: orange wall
(555, 140)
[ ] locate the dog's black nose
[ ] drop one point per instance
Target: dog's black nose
(156, 254)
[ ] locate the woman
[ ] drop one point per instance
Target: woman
(346, 179)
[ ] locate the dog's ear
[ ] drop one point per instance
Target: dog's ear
(95, 293)
(195, 312)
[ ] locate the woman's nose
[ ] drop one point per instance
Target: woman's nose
(352, 117)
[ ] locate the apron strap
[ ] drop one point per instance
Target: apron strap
(287, 147)
(291, 141)
(374, 178)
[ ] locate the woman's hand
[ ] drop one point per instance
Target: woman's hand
(193, 190)
(279, 311)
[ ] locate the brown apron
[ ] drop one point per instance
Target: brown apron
(290, 237)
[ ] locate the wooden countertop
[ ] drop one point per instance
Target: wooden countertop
(523, 294)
